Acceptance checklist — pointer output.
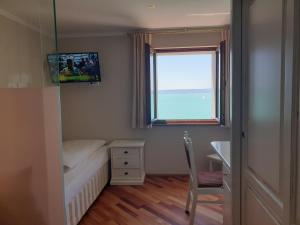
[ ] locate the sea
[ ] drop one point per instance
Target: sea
(184, 104)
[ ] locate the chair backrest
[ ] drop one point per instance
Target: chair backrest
(190, 156)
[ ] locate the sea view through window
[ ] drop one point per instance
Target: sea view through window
(185, 86)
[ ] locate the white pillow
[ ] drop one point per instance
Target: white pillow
(75, 151)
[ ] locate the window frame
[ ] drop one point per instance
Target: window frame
(173, 122)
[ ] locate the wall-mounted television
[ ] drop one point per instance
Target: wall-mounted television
(74, 67)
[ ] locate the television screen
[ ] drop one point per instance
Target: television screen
(74, 67)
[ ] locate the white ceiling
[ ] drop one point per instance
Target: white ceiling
(88, 17)
(102, 17)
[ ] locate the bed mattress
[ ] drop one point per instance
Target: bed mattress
(77, 177)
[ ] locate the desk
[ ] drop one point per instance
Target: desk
(223, 149)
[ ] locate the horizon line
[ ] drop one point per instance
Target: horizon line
(187, 89)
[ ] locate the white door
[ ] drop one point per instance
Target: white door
(268, 112)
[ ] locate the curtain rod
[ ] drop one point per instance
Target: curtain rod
(184, 30)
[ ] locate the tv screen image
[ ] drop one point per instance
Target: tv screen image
(75, 67)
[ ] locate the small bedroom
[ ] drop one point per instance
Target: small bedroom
(148, 112)
(156, 72)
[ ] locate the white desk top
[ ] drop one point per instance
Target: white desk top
(222, 148)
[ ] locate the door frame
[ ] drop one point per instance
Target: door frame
(296, 203)
(236, 108)
(237, 85)
(293, 47)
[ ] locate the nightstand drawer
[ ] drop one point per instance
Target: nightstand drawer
(126, 162)
(126, 173)
(124, 152)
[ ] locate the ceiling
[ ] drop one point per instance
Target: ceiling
(36, 14)
(103, 17)
(88, 17)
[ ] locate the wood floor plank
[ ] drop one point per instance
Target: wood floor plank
(160, 201)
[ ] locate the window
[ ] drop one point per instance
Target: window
(185, 85)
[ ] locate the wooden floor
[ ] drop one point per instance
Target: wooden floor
(161, 200)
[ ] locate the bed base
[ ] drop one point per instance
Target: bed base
(80, 203)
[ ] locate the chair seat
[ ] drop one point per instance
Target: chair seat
(210, 179)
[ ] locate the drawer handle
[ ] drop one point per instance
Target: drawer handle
(126, 173)
(125, 163)
(125, 152)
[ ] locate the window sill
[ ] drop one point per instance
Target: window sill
(210, 122)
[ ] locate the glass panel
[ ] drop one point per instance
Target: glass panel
(48, 38)
(185, 85)
(29, 36)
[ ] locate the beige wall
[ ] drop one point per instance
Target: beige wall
(30, 176)
(53, 154)
(31, 190)
(22, 176)
(105, 111)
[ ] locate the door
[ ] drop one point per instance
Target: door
(268, 112)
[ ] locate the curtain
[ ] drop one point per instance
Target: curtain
(225, 36)
(139, 80)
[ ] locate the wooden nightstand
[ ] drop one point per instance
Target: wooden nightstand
(127, 162)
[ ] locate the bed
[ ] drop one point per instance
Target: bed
(86, 172)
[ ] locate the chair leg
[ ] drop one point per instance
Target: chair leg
(211, 166)
(187, 206)
(193, 210)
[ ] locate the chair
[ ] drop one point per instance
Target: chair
(199, 182)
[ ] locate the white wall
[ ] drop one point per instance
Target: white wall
(105, 111)
(212, 38)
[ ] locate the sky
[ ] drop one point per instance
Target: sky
(190, 71)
